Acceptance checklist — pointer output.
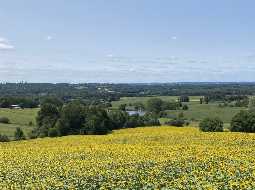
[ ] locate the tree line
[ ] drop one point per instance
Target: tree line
(58, 119)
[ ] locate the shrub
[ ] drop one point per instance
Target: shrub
(185, 107)
(118, 118)
(150, 119)
(211, 125)
(243, 121)
(19, 134)
(53, 132)
(176, 122)
(4, 138)
(4, 120)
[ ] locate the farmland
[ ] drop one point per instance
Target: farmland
(196, 111)
(156, 157)
(18, 118)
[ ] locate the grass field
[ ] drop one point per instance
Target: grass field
(127, 100)
(141, 158)
(9, 129)
(196, 111)
(18, 118)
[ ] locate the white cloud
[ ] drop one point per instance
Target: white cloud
(109, 55)
(174, 37)
(5, 45)
(49, 38)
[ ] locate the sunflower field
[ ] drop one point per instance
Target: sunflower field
(141, 158)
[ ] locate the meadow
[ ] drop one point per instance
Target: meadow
(18, 118)
(128, 100)
(196, 111)
(141, 158)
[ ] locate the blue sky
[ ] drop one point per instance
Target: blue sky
(127, 40)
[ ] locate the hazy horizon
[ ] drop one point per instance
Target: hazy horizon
(165, 41)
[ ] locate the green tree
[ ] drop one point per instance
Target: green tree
(52, 100)
(211, 125)
(97, 122)
(251, 105)
(184, 98)
(150, 119)
(4, 120)
(72, 118)
(46, 119)
(244, 121)
(122, 107)
(4, 138)
(185, 107)
(138, 106)
(118, 118)
(19, 134)
(53, 132)
(154, 105)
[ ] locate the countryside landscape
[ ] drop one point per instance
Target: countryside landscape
(108, 140)
(127, 95)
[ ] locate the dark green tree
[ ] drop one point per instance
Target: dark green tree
(97, 122)
(122, 107)
(72, 118)
(118, 118)
(244, 121)
(46, 119)
(19, 134)
(211, 125)
(4, 138)
(154, 105)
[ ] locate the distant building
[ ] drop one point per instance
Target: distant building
(140, 113)
(15, 106)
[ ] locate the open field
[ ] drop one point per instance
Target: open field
(198, 111)
(18, 118)
(156, 157)
(9, 129)
(127, 100)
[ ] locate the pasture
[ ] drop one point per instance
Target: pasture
(141, 158)
(196, 111)
(128, 100)
(18, 118)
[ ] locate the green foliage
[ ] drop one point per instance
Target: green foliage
(169, 105)
(97, 122)
(206, 99)
(251, 105)
(177, 122)
(118, 118)
(184, 98)
(53, 101)
(19, 134)
(46, 118)
(4, 120)
(211, 125)
(26, 102)
(134, 121)
(122, 107)
(53, 132)
(185, 107)
(4, 138)
(154, 105)
(71, 118)
(244, 121)
(150, 119)
(138, 106)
